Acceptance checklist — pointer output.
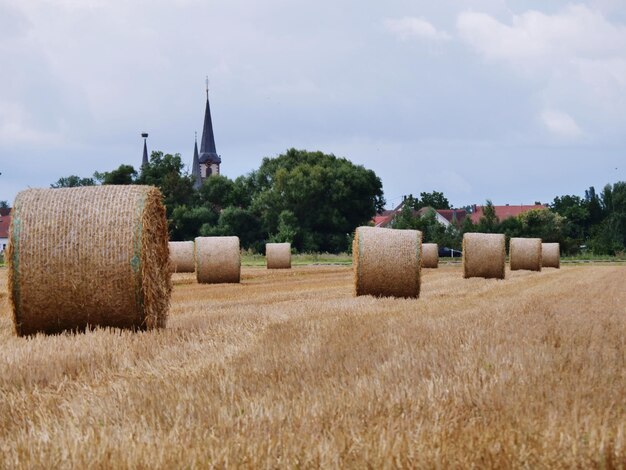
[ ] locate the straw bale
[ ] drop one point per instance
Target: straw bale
(278, 255)
(218, 260)
(525, 253)
(484, 255)
(88, 256)
(182, 257)
(430, 255)
(387, 262)
(551, 255)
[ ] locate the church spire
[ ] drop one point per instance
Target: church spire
(208, 153)
(144, 160)
(195, 167)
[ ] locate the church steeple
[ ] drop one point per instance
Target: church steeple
(208, 153)
(195, 167)
(144, 160)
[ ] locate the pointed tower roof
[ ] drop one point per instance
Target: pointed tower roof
(144, 160)
(195, 167)
(208, 153)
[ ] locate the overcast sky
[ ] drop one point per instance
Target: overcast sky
(515, 101)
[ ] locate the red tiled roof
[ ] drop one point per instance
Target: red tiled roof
(504, 212)
(450, 214)
(5, 222)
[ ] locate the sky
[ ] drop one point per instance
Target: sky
(508, 100)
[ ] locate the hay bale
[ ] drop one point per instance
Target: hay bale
(278, 255)
(387, 262)
(88, 256)
(484, 255)
(182, 257)
(430, 255)
(551, 255)
(218, 260)
(525, 253)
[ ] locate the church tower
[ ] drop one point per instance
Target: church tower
(208, 159)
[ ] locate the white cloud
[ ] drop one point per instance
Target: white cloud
(411, 27)
(574, 59)
(560, 124)
(535, 38)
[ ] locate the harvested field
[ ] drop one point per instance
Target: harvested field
(288, 368)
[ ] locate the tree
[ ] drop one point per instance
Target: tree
(240, 222)
(542, 223)
(488, 223)
(186, 222)
(124, 174)
(165, 171)
(609, 237)
(73, 181)
(436, 200)
(4, 205)
(328, 196)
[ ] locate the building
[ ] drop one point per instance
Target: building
(207, 162)
(5, 223)
(504, 212)
(445, 217)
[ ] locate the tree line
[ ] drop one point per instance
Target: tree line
(310, 199)
(593, 222)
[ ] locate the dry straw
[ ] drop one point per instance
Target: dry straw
(387, 262)
(551, 255)
(218, 259)
(182, 257)
(88, 256)
(278, 255)
(430, 255)
(525, 253)
(484, 255)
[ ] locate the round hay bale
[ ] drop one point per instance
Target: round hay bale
(430, 255)
(387, 262)
(182, 257)
(88, 256)
(218, 260)
(551, 255)
(484, 255)
(278, 255)
(525, 253)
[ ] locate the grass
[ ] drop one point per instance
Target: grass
(289, 369)
(300, 259)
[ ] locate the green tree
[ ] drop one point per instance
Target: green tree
(4, 205)
(436, 200)
(186, 222)
(240, 222)
(542, 223)
(609, 236)
(73, 181)
(124, 174)
(165, 171)
(489, 222)
(328, 196)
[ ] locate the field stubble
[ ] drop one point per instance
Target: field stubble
(289, 369)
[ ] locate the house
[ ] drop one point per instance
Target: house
(504, 212)
(445, 217)
(5, 223)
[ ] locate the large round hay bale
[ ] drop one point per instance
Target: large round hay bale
(88, 256)
(278, 255)
(387, 262)
(430, 255)
(182, 257)
(218, 260)
(525, 253)
(484, 255)
(551, 255)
